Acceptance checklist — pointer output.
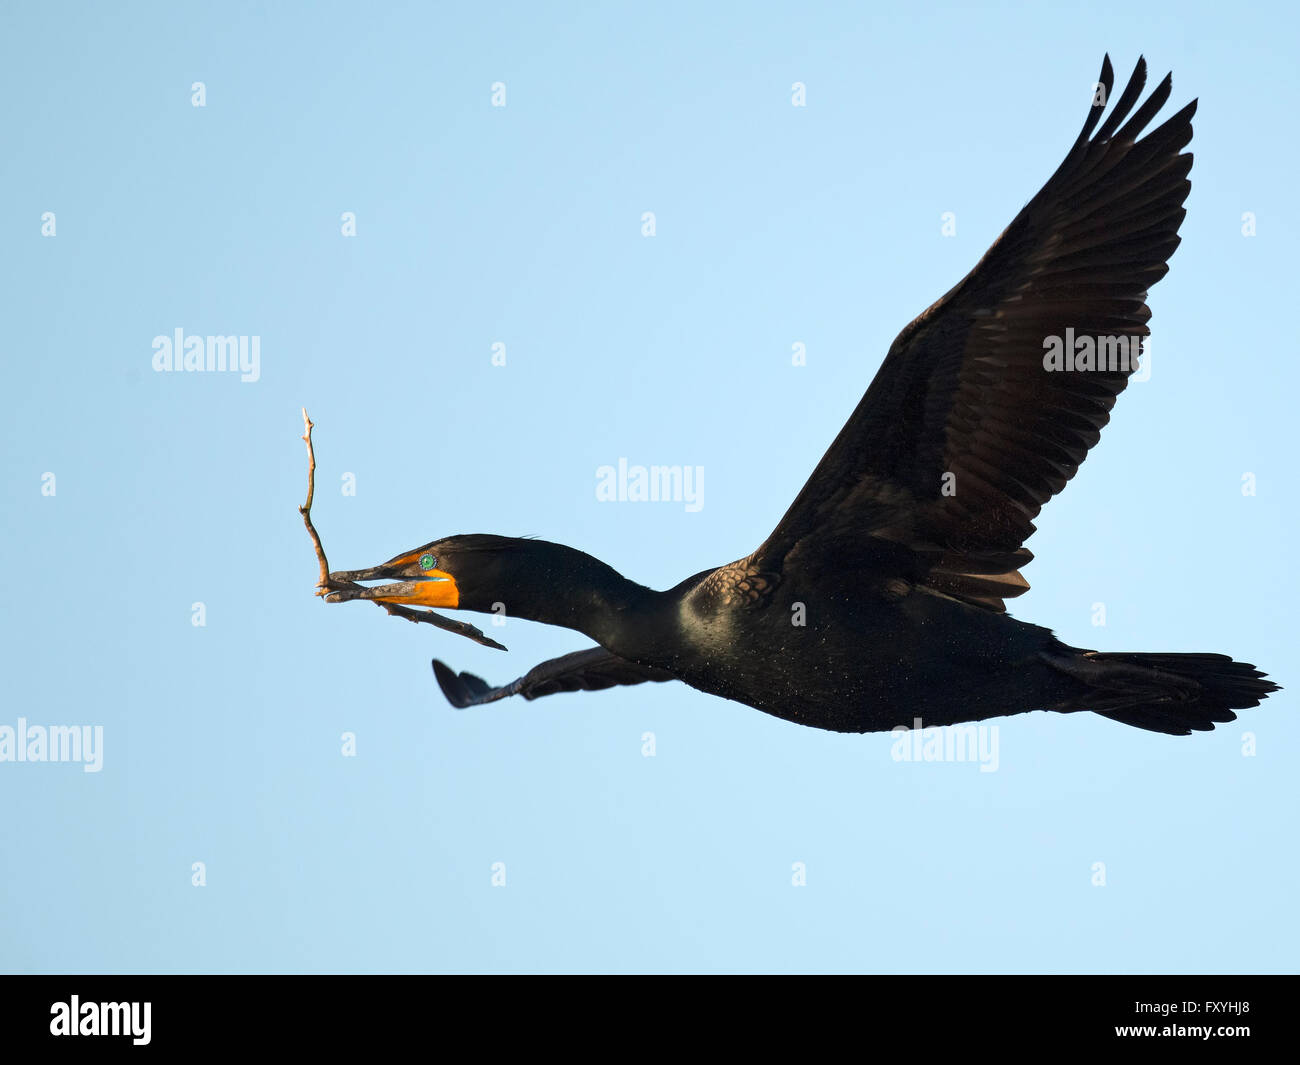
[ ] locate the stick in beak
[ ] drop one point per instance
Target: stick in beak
(401, 590)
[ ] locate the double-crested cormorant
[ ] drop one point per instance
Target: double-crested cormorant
(899, 551)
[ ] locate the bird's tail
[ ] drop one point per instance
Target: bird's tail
(1171, 693)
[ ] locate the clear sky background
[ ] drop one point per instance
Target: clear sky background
(521, 225)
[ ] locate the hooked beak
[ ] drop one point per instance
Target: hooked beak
(414, 587)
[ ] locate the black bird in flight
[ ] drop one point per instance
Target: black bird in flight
(899, 551)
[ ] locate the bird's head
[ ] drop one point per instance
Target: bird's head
(465, 572)
(420, 580)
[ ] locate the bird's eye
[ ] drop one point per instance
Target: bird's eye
(427, 562)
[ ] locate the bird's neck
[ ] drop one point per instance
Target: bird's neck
(559, 585)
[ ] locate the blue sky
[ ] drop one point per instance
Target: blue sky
(522, 225)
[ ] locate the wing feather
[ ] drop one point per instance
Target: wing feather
(964, 434)
(592, 670)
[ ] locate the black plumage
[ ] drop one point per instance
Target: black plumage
(879, 597)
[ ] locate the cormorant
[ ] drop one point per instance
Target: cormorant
(899, 551)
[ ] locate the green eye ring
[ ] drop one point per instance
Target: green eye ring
(428, 562)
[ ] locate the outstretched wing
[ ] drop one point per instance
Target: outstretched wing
(591, 670)
(965, 432)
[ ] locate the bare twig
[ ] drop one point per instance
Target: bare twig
(325, 584)
(463, 628)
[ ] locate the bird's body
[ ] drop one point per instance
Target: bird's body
(864, 655)
(879, 597)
